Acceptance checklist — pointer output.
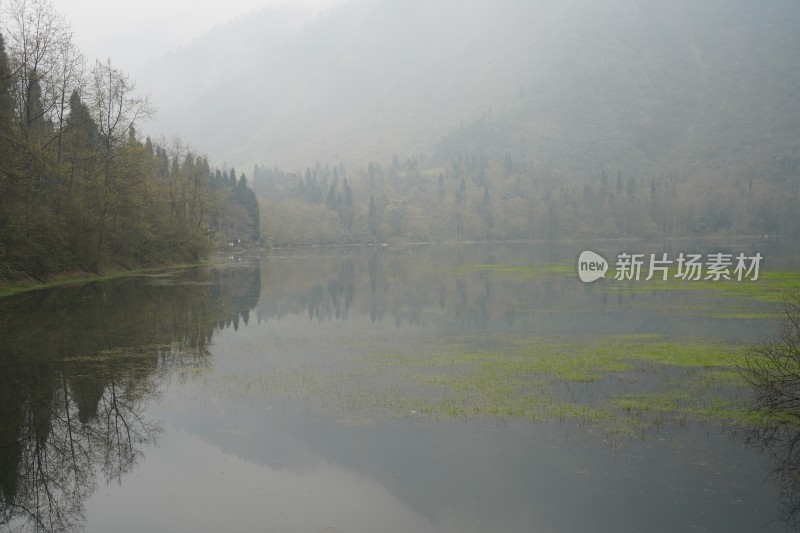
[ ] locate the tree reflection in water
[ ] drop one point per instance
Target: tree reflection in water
(55, 453)
(773, 371)
(79, 367)
(782, 444)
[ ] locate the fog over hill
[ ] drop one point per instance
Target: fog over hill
(683, 86)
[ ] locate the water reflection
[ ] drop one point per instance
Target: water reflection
(73, 425)
(773, 372)
(85, 371)
(78, 368)
(781, 443)
(192, 482)
(530, 289)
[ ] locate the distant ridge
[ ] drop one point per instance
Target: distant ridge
(657, 86)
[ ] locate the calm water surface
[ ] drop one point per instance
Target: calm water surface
(275, 393)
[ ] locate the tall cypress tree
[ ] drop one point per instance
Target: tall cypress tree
(6, 102)
(6, 164)
(372, 217)
(81, 124)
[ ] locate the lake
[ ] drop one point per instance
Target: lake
(448, 388)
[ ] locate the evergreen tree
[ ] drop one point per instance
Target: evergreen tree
(6, 127)
(331, 201)
(34, 121)
(6, 100)
(372, 217)
(241, 187)
(80, 123)
(348, 211)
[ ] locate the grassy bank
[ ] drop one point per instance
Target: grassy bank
(8, 288)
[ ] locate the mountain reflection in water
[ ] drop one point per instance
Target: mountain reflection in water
(224, 368)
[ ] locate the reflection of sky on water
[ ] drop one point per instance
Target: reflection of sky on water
(420, 475)
(468, 289)
(246, 466)
(234, 459)
(190, 485)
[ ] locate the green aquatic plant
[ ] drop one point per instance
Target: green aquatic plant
(620, 384)
(770, 287)
(538, 271)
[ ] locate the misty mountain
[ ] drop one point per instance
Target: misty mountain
(681, 86)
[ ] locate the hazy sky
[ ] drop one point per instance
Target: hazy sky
(133, 33)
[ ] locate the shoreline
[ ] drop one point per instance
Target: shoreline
(70, 278)
(8, 288)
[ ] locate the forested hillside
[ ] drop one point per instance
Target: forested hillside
(507, 118)
(480, 192)
(404, 120)
(655, 87)
(79, 190)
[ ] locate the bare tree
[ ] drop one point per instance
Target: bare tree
(773, 371)
(773, 368)
(38, 38)
(116, 106)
